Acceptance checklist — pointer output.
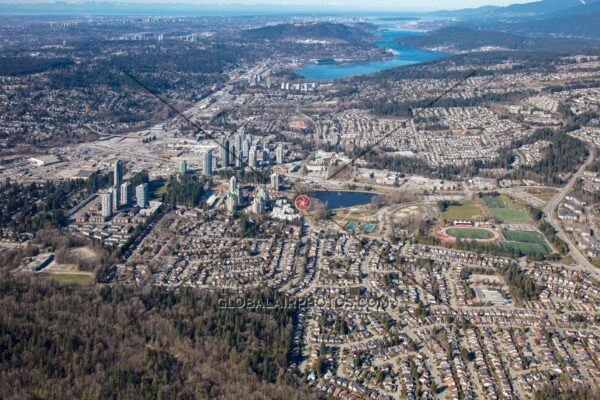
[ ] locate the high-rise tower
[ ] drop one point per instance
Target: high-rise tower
(207, 167)
(118, 173)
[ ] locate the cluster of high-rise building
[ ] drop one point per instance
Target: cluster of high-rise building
(259, 204)
(234, 195)
(240, 152)
(207, 165)
(120, 195)
(299, 87)
(234, 198)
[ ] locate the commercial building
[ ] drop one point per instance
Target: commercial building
(252, 158)
(239, 160)
(116, 201)
(107, 206)
(259, 205)
(274, 181)
(141, 195)
(225, 154)
(125, 193)
(240, 142)
(183, 167)
(233, 195)
(279, 154)
(247, 146)
(118, 173)
(208, 161)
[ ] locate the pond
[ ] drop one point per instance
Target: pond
(343, 199)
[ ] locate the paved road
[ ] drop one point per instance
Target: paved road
(550, 209)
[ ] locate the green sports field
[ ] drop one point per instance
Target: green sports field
(525, 247)
(79, 279)
(525, 241)
(503, 208)
(494, 201)
(523, 236)
(464, 212)
(509, 214)
(469, 233)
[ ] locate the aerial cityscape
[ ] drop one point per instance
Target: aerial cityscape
(251, 201)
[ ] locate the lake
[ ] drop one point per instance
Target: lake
(404, 56)
(342, 199)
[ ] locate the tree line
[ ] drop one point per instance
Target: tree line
(109, 342)
(31, 207)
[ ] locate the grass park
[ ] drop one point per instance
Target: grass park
(469, 233)
(68, 278)
(525, 248)
(494, 201)
(543, 194)
(509, 214)
(525, 242)
(462, 212)
(523, 236)
(503, 209)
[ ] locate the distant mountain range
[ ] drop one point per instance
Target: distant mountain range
(525, 10)
(581, 26)
(460, 39)
(563, 18)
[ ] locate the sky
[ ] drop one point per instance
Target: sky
(341, 5)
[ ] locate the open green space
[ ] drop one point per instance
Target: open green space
(494, 201)
(523, 236)
(469, 233)
(463, 212)
(525, 248)
(525, 242)
(509, 214)
(159, 191)
(79, 279)
(503, 208)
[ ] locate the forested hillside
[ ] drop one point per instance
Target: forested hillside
(461, 39)
(30, 207)
(30, 65)
(61, 342)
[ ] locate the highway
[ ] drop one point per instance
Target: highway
(550, 212)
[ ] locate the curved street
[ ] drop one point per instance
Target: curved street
(550, 212)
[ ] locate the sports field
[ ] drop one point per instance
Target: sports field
(464, 212)
(525, 241)
(494, 201)
(525, 247)
(469, 233)
(75, 278)
(351, 224)
(503, 208)
(369, 228)
(509, 214)
(523, 236)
